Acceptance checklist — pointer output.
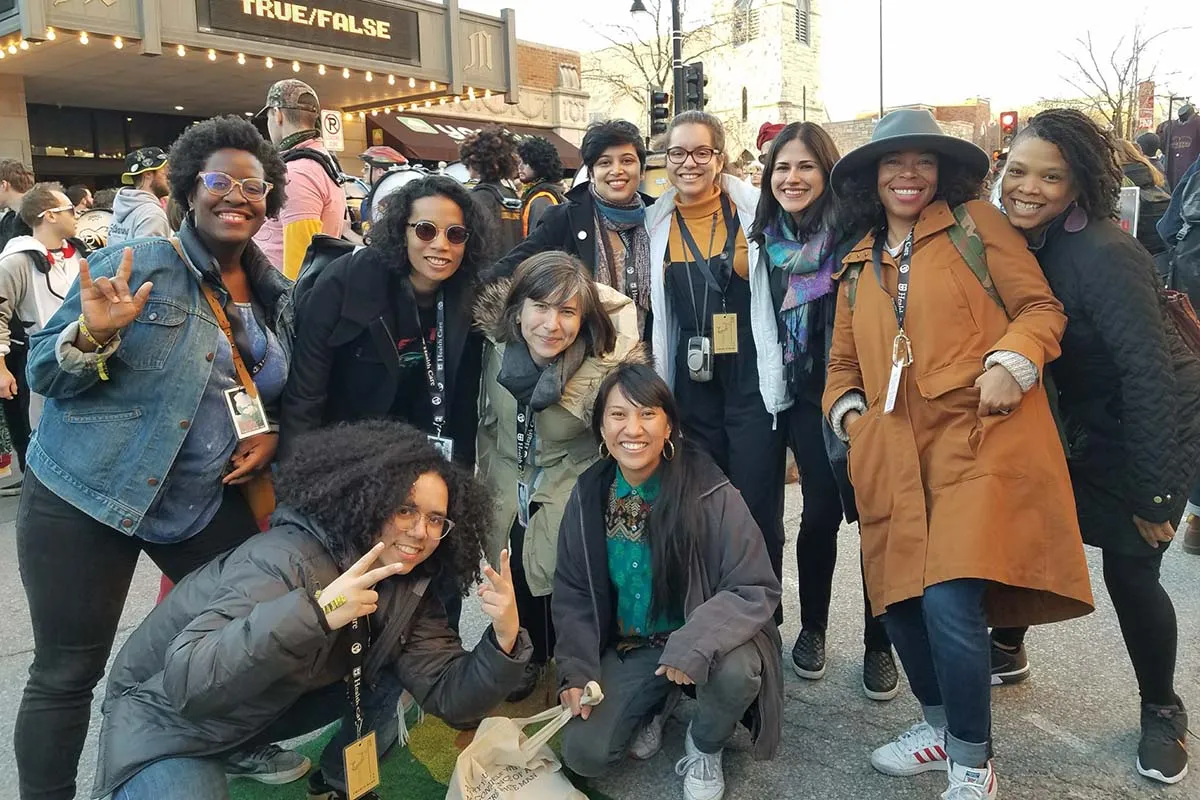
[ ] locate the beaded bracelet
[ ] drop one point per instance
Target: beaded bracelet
(101, 368)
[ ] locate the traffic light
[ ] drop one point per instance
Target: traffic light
(1008, 125)
(693, 86)
(660, 112)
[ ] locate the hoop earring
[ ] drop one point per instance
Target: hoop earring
(603, 451)
(668, 457)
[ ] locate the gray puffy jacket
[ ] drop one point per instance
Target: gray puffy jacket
(240, 640)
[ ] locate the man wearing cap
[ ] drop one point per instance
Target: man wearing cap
(315, 200)
(138, 211)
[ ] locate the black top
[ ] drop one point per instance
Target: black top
(1129, 389)
(354, 354)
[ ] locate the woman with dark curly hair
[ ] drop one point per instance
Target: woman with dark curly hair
(1129, 396)
(385, 332)
(943, 327)
(540, 170)
(137, 449)
(264, 642)
(490, 155)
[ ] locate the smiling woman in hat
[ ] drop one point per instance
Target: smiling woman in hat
(944, 324)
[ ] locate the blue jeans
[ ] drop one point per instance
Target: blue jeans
(942, 640)
(204, 778)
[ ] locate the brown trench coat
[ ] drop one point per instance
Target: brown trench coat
(942, 493)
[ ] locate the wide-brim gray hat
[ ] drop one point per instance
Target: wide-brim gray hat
(910, 129)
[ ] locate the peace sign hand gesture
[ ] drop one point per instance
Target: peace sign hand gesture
(354, 588)
(108, 305)
(499, 601)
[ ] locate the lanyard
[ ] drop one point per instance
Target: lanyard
(524, 435)
(901, 346)
(356, 674)
(435, 368)
(704, 264)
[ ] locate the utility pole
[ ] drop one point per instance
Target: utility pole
(676, 48)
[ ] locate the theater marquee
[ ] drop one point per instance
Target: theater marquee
(356, 26)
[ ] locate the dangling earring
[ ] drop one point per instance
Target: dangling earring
(1076, 221)
(668, 457)
(603, 451)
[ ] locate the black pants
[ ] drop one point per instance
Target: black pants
(76, 572)
(533, 611)
(727, 418)
(816, 542)
(16, 410)
(1147, 620)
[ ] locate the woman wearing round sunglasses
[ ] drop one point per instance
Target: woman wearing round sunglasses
(137, 450)
(385, 332)
(715, 334)
(263, 640)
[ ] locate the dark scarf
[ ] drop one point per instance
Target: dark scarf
(628, 222)
(539, 387)
(809, 268)
(293, 139)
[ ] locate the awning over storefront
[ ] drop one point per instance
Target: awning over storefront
(425, 137)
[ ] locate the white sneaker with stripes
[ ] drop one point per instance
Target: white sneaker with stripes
(919, 749)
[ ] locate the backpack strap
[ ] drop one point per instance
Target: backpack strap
(510, 203)
(326, 161)
(555, 199)
(965, 236)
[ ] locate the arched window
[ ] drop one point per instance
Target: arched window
(745, 22)
(803, 31)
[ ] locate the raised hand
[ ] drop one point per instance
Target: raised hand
(107, 304)
(499, 601)
(356, 586)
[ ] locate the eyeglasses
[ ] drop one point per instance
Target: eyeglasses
(58, 210)
(426, 231)
(436, 525)
(220, 185)
(701, 155)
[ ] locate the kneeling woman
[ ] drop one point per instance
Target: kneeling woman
(258, 645)
(663, 580)
(553, 334)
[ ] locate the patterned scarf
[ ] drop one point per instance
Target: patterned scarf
(293, 139)
(627, 222)
(809, 266)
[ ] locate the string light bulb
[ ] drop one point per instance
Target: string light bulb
(295, 66)
(414, 107)
(51, 35)
(428, 103)
(181, 51)
(320, 69)
(391, 80)
(3, 55)
(24, 45)
(241, 59)
(212, 54)
(270, 62)
(487, 93)
(412, 83)
(361, 115)
(433, 86)
(12, 49)
(457, 99)
(471, 92)
(442, 101)
(349, 116)
(369, 76)
(374, 112)
(345, 72)
(117, 42)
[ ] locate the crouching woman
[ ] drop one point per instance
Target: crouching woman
(662, 581)
(262, 644)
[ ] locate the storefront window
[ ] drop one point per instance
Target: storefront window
(61, 131)
(110, 134)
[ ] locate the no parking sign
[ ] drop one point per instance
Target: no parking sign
(331, 131)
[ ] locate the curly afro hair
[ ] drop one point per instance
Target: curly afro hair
(194, 146)
(1090, 153)
(862, 210)
(542, 158)
(490, 153)
(390, 232)
(350, 479)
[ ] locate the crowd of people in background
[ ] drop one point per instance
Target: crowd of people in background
(577, 403)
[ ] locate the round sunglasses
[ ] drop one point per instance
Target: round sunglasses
(426, 231)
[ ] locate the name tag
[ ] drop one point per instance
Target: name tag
(362, 766)
(725, 334)
(889, 403)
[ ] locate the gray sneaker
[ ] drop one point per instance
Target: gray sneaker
(267, 764)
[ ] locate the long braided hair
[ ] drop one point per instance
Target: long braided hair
(1089, 152)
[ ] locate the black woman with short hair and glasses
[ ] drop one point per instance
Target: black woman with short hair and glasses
(386, 332)
(147, 369)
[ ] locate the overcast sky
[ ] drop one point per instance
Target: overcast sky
(935, 51)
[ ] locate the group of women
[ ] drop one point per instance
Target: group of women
(602, 417)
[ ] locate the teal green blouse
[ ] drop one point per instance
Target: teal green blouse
(629, 557)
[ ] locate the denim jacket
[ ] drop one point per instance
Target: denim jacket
(106, 446)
